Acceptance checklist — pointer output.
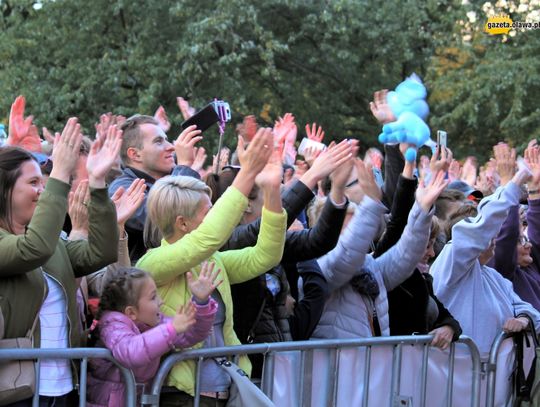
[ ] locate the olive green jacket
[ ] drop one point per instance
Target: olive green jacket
(23, 258)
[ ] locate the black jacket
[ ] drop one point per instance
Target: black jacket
(301, 245)
(272, 320)
(407, 307)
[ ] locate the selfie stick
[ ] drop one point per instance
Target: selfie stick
(221, 129)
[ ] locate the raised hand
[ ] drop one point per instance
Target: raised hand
(78, 201)
(285, 132)
(341, 175)
(127, 202)
(532, 158)
(505, 161)
(311, 153)
(22, 132)
(440, 160)
(248, 128)
(253, 159)
(48, 136)
(184, 318)
(366, 180)
(469, 171)
(426, 196)
(103, 155)
(256, 155)
(454, 171)
(315, 133)
(327, 161)
(184, 145)
(204, 286)
(105, 121)
(162, 119)
(66, 151)
(272, 173)
(423, 167)
(376, 160)
(200, 159)
(184, 107)
(380, 108)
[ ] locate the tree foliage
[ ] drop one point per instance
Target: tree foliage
(320, 59)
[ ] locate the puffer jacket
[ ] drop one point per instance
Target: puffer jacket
(139, 348)
(347, 314)
(168, 264)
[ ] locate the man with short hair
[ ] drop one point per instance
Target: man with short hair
(146, 153)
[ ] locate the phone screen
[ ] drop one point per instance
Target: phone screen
(442, 138)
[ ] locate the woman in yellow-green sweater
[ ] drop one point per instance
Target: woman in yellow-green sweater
(180, 208)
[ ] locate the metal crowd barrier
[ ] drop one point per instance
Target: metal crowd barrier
(334, 347)
(491, 367)
(270, 350)
(74, 353)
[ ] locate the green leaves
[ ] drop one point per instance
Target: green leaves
(321, 60)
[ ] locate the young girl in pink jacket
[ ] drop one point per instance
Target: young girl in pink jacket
(137, 333)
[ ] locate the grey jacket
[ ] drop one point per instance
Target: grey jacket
(347, 313)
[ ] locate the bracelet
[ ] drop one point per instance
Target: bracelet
(533, 191)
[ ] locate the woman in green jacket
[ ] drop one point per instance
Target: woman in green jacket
(37, 268)
(180, 208)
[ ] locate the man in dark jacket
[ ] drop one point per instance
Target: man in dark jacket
(146, 153)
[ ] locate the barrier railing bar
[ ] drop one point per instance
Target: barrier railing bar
(423, 373)
(307, 377)
(82, 384)
(450, 379)
(336, 377)
(267, 385)
(301, 381)
(367, 368)
(396, 373)
(331, 378)
(71, 353)
(476, 368)
(492, 363)
(35, 399)
(197, 399)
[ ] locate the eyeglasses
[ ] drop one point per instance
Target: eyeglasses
(523, 240)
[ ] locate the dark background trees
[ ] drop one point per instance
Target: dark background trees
(321, 60)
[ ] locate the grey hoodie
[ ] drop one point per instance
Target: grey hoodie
(479, 297)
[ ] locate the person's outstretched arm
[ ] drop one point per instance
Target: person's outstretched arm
(472, 236)
(170, 261)
(245, 264)
(22, 253)
(296, 198)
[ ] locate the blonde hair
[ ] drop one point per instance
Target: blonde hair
(174, 196)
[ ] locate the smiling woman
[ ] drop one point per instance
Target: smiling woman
(20, 188)
(37, 270)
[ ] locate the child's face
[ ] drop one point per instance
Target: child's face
(147, 310)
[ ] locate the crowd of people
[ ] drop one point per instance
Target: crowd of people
(131, 242)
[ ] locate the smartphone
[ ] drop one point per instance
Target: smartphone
(307, 143)
(203, 119)
(377, 174)
(442, 138)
